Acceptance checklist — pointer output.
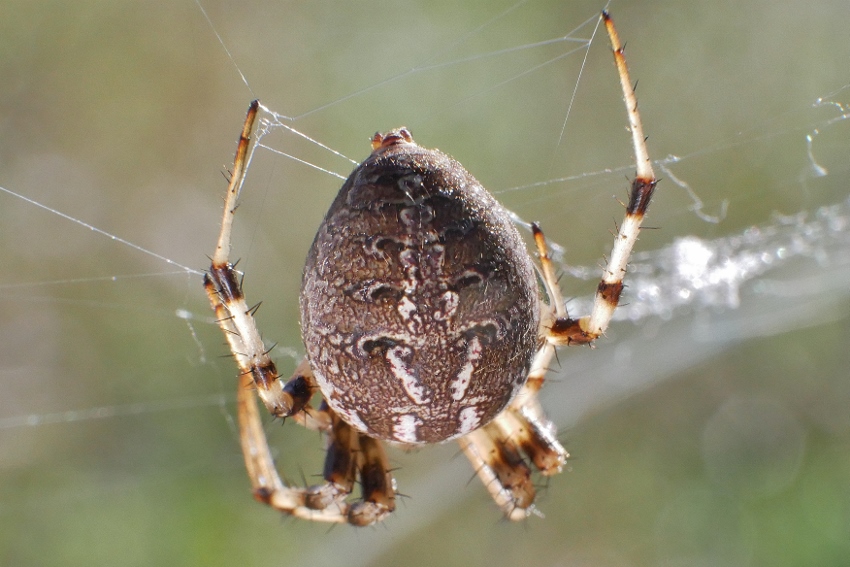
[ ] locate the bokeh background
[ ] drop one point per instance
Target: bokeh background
(702, 434)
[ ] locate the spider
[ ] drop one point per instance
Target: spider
(423, 322)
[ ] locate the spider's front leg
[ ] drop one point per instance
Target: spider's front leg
(585, 330)
(349, 453)
(496, 449)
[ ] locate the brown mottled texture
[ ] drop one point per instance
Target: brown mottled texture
(419, 303)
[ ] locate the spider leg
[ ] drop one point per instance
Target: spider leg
(377, 484)
(499, 465)
(349, 453)
(585, 330)
(496, 450)
(301, 386)
(522, 428)
(528, 424)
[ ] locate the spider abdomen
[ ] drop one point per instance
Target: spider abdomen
(419, 302)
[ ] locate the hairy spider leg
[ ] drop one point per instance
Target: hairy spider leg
(587, 329)
(349, 453)
(496, 450)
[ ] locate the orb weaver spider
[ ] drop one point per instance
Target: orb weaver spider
(422, 320)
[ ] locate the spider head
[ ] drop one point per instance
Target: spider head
(391, 138)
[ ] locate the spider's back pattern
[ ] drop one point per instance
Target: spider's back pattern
(419, 303)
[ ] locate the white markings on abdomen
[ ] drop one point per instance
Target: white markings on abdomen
(461, 383)
(468, 420)
(409, 381)
(404, 428)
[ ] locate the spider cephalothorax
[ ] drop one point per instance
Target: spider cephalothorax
(423, 322)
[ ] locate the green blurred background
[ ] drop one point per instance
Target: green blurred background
(705, 436)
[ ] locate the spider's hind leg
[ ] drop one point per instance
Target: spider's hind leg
(496, 450)
(351, 454)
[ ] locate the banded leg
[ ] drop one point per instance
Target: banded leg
(349, 453)
(566, 331)
(495, 450)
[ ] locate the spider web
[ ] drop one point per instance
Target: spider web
(116, 405)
